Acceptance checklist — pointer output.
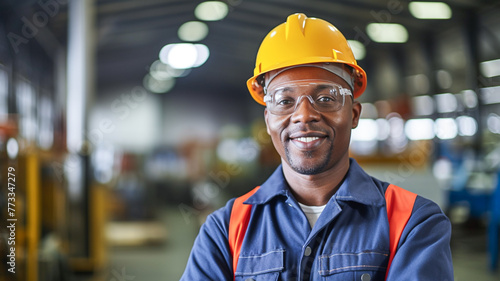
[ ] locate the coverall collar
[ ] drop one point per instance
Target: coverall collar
(358, 187)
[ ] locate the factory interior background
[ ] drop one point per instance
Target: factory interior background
(123, 124)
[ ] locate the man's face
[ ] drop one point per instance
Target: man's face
(309, 141)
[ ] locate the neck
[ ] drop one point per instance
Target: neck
(315, 190)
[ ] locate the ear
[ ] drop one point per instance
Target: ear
(356, 113)
(266, 117)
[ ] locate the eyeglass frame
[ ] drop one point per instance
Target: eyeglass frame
(343, 91)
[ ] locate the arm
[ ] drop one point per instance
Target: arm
(210, 257)
(424, 248)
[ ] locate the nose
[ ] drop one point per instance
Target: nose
(305, 111)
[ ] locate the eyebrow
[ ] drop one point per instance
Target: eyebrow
(322, 86)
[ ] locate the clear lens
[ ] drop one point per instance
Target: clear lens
(325, 96)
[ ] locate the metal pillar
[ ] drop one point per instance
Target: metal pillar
(80, 89)
(81, 72)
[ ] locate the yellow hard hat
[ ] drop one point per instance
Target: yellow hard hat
(303, 40)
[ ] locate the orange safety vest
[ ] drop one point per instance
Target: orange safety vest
(399, 203)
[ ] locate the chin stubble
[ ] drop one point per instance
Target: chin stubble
(307, 169)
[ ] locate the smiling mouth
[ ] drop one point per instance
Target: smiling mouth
(308, 142)
(307, 139)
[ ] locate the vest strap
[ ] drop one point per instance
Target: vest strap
(399, 203)
(238, 223)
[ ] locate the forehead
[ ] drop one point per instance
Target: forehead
(309, 73)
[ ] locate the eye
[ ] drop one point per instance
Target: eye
(326, 95)
(325, 99)
(284, 101)
(284, 97)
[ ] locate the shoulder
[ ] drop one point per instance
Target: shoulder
(210, 257)
(427, 220)
(425, 208)
(221, 217)
(218, 221)
(424, 211)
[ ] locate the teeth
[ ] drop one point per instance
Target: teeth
(307, 139)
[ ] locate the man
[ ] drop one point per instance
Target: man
(319, 216)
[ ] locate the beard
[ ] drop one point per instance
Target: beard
(309, 169)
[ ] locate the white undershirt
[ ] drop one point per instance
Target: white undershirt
(312, 212)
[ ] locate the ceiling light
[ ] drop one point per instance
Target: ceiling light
(430, 10)
(444, 79)
(384, 129)
(161, 71)
(158, 86)
(12, 148)
(493, 123)
(490, 95)
(397, 139)
(422, 105)
(446, 128)
(366, 130)
(467, 126)
(469, 98)
(387, 32)
(211, 11)
(358, 49)
(181, 56)
(193, 31)
(202, 54)
(490, 68)
(184, 55)
(446, 103)
(420, 129)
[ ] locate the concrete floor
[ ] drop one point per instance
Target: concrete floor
(469, 251)
(157, 262)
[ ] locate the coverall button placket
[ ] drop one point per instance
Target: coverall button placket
(315, 240)
(366, 277)
(307, 251)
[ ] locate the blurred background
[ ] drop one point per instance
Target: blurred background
(124, 123)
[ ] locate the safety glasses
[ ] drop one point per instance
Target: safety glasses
(324, 96)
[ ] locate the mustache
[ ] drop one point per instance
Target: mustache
(306, 128)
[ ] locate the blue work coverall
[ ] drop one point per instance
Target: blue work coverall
(350, 240)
